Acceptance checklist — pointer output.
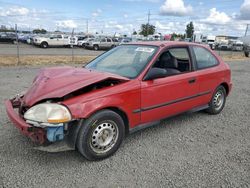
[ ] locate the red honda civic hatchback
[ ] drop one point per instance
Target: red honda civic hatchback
(130, 87)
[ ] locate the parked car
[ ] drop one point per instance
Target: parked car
(52, 40)
(237, 46)
(128, 88)
(7, 37)
(83, 43)
(124, 40)
(224, 46)
(103, 43)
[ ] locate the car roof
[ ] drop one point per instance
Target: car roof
(165, 43)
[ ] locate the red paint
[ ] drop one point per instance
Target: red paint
(129, 95)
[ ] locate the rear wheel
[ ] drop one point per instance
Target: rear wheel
(218, 101)
(96, 47)
(101, 135)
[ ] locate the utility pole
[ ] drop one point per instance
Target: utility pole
(149, 14)
(17, 46)
(87, 26)
(247, 29)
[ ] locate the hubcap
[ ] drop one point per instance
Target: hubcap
(218, 100)
(104, 137)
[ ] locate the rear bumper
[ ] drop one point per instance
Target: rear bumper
(35, 134)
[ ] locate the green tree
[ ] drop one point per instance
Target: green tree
(190, 30)
(147, 29)
(177, 36)
(39, 31)
(134, 33)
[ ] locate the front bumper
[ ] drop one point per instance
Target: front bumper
(35, 134)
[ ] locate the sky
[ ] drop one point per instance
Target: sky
(210, 17)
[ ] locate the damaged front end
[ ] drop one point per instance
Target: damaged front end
(40, 113)
(51, 137)
(13, 109)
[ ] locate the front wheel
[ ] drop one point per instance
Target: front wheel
(246, 54)
(218, 101)
(44, 45)
(101, 135)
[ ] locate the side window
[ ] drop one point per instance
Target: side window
(103, 40)
(175, 61)
(108, 40)
(204, 58)
(59, 36)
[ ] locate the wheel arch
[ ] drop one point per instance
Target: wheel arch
(119, 111)
(226, 86)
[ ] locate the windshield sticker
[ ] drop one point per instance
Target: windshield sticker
(144, 49)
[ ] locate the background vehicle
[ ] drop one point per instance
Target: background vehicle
(83, 43)
(7, 37)
(51, 40)
(236, 45)
(103, 43)
(124, 40)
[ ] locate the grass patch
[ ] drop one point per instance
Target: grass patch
(6, 60)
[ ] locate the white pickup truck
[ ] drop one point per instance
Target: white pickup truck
(54, 40)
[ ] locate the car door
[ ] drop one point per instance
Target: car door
(53, 40)
(170, 95)
(109, 43)
(209, 73)
(103, 43)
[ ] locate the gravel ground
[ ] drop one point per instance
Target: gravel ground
(190, 150)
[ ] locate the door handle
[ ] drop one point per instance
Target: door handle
(192, 80)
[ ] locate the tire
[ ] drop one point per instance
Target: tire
(101, 135)
(218, 101)
(83, 45)
(96, 47)
(44, 45)
(246, 54)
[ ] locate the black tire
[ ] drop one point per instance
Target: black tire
(44, 45)
(96, 47)
(93, 150)
(215, 107)
(83, 45)
(246, 54)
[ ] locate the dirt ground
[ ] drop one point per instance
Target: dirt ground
(43, 60)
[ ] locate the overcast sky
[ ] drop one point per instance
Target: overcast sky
(227, 17)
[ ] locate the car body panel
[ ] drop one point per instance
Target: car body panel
(140, 101)
(50, 82)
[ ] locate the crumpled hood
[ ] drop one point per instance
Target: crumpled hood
(60, 81)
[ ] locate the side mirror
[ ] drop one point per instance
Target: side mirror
(155, 73)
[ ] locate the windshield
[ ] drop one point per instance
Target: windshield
(125, 60)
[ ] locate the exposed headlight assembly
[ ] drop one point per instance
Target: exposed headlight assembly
(50, 113)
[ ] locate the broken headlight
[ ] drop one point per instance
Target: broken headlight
(48, 113)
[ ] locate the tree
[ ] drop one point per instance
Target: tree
(147, 29)
(39, 31)
(190, 30)
(175, 36)
(134, 33)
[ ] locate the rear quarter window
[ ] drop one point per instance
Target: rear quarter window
(204, 58)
